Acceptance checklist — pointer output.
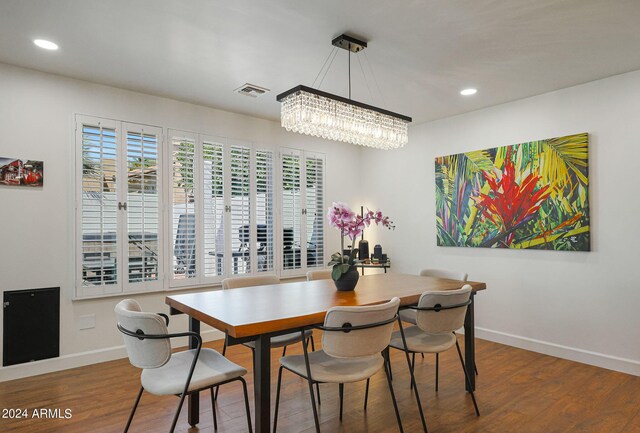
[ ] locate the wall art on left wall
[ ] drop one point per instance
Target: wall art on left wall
(15, 172)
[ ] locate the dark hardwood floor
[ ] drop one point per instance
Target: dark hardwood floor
(517, 391)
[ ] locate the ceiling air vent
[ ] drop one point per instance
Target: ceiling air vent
(251, 90)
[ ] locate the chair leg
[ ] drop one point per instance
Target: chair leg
(437, 364)
(413, 378)
(388, 363)
(310, 382)
(366, 395)
(246, 403)
(341, 391)
(175, 417)
(313, 349)
(275, 415)
(224, 351)
(466, 377)
(284, 351)
(133, 411)
(475, 368)
(313, 405)
(413, 366)
(385, 353)
(213, 410)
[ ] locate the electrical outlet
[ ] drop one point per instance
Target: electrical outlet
(87, 322)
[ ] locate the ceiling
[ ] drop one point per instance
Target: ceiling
(420, 54)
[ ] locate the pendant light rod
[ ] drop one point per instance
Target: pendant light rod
(349, 72)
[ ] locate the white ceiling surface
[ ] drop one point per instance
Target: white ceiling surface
(422, 52)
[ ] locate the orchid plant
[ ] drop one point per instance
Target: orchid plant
(350, 225)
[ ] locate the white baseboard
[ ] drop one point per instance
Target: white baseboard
(615, 363)
(79, 359)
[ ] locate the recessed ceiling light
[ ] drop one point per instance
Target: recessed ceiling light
(47, 45)
(469, 92)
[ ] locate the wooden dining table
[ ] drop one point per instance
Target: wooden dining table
(261, 312)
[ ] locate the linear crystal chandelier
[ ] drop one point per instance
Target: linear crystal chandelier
(313, 112)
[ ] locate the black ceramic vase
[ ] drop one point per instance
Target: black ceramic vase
(347, 282)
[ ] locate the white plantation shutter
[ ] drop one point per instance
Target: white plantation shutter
(183, 207)
(315, 209)
(118, 212)
(143, 208)
(214, 208)
(291, 205)
(240, 210)
(302, 211)
(264, 210)
(98, 208)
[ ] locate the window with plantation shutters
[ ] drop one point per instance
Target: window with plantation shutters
(214, 208)
(118, 211)
(302, 207)
(222, 209)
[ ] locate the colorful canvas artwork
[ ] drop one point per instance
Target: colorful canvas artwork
(529, 195)
(18, 173)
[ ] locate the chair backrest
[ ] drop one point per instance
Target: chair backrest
(443, 321)
(261, 280)
(359, 342)
(146, 353)
(324, 274)
(442, 273)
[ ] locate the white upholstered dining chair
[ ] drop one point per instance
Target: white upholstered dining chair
(439, 314)
(148, 346)
(354, 347)
(409, 315)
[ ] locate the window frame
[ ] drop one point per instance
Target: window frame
(123, 284)
(262, 157)
(302, 216)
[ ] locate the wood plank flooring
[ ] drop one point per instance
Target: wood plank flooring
(517, 391)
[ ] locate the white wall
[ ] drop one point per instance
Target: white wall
(36, 225)
(578, 305)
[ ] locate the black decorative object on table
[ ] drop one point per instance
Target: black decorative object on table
(348, 281)
(377, 252)
(363, 250)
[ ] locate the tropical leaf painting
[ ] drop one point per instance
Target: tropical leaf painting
(528, 195)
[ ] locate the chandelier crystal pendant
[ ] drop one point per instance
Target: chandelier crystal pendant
(310, 111)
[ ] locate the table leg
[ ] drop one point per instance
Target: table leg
(262, 383)
(193, 399)
(470, 344)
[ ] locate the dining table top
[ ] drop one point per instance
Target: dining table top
(257, 310)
